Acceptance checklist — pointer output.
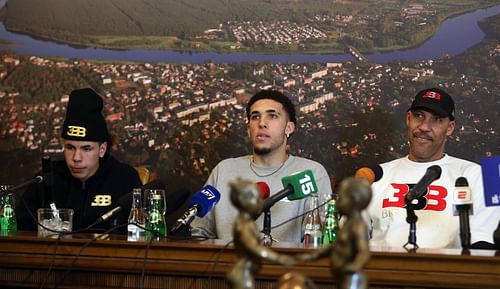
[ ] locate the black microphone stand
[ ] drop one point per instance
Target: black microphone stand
(411, 218)
(463, 213)
(267, 240)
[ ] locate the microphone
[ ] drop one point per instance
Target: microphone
(200, 204)
(462, 202)
(109, 214)
(44, 177)
(433, 173)
(297, 186)
(371, 173)
(263, 190)
(123, 203)
(266, 224)
(37, 179)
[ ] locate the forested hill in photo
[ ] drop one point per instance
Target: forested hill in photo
(149, 17)
(226, 25)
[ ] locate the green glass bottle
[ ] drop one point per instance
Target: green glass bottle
(156, 219)
(8, 223)
(331, 225)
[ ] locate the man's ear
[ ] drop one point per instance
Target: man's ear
(290, 128)
(450, 128)
(102, 149)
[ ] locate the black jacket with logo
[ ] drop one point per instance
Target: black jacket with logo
(89, 200)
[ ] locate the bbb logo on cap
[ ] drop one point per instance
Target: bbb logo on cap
(77, 131)
(433, 95)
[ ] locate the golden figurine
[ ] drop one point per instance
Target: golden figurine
(350, 252)
(246, 198)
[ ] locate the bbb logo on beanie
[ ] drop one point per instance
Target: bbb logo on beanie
(84, 120)
(76, 131)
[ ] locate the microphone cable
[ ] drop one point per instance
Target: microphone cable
(214, 265)
(145, 260)
(142, 280)
(60, 234)
(52, 262)
(299, 216)
(211, 272)
(97, 237)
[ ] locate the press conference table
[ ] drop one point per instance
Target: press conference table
(82, 261)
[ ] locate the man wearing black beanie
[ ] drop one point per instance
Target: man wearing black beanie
(88, 180)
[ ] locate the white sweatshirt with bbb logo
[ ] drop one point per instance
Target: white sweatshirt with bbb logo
(437, 227)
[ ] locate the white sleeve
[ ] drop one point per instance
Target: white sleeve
(484, 220)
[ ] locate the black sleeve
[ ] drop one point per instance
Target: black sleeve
(27, 205)
(129, 179)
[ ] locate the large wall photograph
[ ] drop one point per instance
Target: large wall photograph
(176, 75)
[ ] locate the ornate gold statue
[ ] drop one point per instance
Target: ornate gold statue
(350, 252)
(246, 198)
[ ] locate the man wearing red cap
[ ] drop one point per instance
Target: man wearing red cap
(430, 120)
(88, 180)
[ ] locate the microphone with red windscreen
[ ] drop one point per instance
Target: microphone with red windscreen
(263, 190)
(264, 194)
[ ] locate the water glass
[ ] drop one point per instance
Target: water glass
(148, 199)
(59, 220)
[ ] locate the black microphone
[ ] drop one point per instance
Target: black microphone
(37, 179)
(44, 177)
(109, 214)
(433, 173)
(123, 203)
(462, 202)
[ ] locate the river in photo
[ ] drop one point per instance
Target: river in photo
(454, 36)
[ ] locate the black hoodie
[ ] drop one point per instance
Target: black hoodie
(89, 200)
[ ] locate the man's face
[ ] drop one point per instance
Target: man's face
(268, 126)
(427, 134)
(82, 157)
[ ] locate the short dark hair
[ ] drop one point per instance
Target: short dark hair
(276, 96)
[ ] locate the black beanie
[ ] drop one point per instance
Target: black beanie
(84, 120)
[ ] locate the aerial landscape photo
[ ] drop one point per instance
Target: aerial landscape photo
(175, 77)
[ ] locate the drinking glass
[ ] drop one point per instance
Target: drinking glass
(148, 198)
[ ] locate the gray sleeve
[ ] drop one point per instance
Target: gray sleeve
(204, 227)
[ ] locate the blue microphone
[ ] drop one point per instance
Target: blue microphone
(200, 204)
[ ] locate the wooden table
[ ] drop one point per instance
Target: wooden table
(82, 261)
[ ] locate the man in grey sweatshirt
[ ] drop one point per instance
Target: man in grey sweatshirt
(271, 121)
